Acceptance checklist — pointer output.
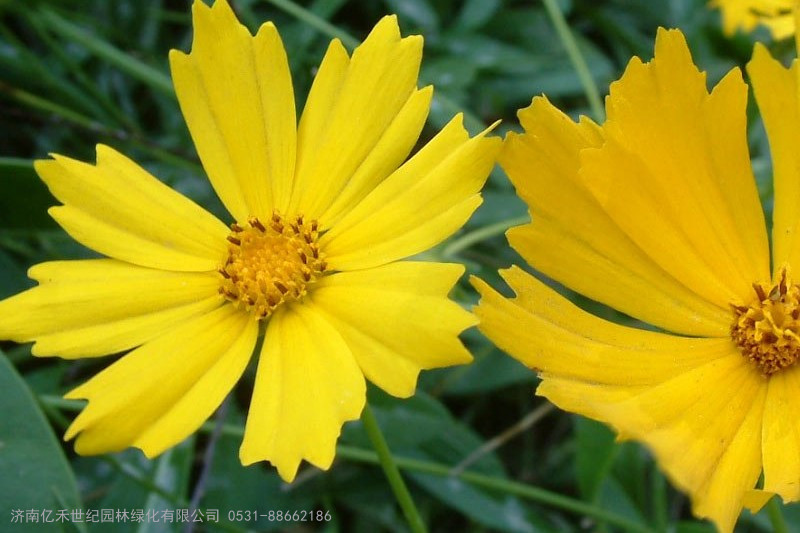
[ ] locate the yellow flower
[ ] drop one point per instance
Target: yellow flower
(747, 14)
(322, 213)
(656, 214)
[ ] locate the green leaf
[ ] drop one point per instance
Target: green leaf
(255, 489)
(487, 373)
(498, 512)
(365, 492)
(129, 481)
(171, 474)
(13, 278)
(34, 473)
(419, 12)
(438, 437)
(694, 527)
(613, 497)
(476, 13)
(24, 199)
(594, 455)
(152, 76)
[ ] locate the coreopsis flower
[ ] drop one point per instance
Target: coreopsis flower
(776, 15)
(321, 215)
(656, 214)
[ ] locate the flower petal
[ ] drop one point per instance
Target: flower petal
(387, 154)
(235, 91)
(755, 499)
(781, 438)
(160, 393)
(594, 256)
(391, 223)
(548, 333)
(397, 320)
(747, 14)
(776, 91)
(102, 306)
(362, 118)
(707, 440)
(118, 209)
(671, 393)
(307, 386)
(674, 173)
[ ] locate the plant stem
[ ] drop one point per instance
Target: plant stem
(392, 473)
(481, 234)
(48, 107)
(776, 516)
(361, 455)
(503, 485)
(576, 57)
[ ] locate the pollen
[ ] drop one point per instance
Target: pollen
(271, 262)
(767, 330)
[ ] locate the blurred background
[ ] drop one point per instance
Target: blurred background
(478, 449)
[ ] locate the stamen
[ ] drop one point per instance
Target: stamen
(766, 331)
(269, 264)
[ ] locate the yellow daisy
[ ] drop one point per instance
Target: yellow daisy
(656, 214)
(748, 14)
(322, 212)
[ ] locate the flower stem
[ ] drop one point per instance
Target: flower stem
(575, 55)
(392, 472)
(776, 516)
(505, 486)
(481, 234)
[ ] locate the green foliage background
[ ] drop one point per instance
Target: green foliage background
(74, 73)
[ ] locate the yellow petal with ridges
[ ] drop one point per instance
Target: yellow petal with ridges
(391, 223)
(100, 306)
(388, 153)
(670, 392)
(235, 91)
(307, 386)
(573, 241)
(362, 103)
(755, 499)
(781, 435)
(748, 14)
(707, 440)
(119, 335)
(737, 471)
(546, 332)
(674, 173)
(322, 98)
(160, 393)
(118, 209)
(776, 91)
(397, 320)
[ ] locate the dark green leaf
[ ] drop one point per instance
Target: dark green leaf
(34, 473)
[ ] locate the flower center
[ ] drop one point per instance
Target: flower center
(270, 263)
(767, 330)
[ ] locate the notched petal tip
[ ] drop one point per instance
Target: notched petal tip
(176, 55)
(754, 500)
(484, 290)
(387, 29)
(41, 165)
